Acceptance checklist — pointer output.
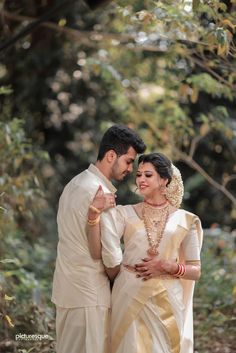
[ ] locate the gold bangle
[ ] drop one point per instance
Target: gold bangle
(95, 209)
(93, 222)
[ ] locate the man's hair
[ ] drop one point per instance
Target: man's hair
(120, 138)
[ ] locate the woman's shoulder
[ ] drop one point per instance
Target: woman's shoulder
(187, 213)
(128, 210)
(187, 218)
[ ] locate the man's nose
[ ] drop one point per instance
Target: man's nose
(130, 168)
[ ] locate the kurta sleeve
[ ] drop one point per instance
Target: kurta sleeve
(112, 229)
(191, 246)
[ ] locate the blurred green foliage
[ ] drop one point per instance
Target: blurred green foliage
(215, 295)
(24, 253)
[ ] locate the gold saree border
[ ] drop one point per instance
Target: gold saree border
(144, 338)
(107, 322)
(151, 288)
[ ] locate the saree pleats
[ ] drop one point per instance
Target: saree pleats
(151, 289)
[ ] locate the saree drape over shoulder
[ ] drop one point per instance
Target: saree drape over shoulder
(155, 316)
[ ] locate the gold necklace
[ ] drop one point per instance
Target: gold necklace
(155, 219)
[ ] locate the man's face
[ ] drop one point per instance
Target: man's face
(123, 165)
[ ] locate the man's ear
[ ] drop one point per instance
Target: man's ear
(111, 155)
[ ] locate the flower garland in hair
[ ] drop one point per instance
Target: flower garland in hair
(175, 190)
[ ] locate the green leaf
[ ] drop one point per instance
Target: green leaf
(10, 261)
(4, 90)
(221, 35)
(6, 297)
(196, 4)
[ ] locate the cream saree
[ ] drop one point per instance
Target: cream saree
(154, 316)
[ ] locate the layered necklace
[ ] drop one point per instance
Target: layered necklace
(155, 218)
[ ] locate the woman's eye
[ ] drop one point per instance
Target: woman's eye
(148, 175)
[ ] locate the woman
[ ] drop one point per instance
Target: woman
(152, 295)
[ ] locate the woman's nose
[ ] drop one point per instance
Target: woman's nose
(141, 178)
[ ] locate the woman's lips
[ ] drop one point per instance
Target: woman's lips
(142, 186)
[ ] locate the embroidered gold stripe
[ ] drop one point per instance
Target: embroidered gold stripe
(168, 319)
(144, 338)
(107, 321)
(193, 262)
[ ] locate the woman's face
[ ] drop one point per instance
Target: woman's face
(148, 180)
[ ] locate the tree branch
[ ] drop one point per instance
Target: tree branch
(194, 143)
(213, 73)
(188, 159)
(34, 22)
(124, 39)
(228, 179)
(193, 164)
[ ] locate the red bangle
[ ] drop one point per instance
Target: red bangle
(181, 270)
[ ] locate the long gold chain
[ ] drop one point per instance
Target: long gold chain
(154, 219)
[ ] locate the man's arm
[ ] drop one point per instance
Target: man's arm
(112, 228)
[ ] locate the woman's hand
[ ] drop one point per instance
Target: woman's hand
(152, 267)
(102, 201)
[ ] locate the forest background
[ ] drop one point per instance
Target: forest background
(68, 71)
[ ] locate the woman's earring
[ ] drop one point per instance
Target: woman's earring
(163, 189)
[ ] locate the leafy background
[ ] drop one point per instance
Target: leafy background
(166, 69)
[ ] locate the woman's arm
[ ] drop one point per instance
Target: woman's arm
(94, 239)
(100, 203)
(190, 270)
(151, 267)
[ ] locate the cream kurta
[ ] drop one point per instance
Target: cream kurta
(154, 316)
(79, 281)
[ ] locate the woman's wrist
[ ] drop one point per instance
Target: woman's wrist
(93, 222)
(180, 271)
(94, 212)
(95, 209)
(175, 268)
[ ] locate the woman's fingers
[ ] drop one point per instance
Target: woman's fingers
(109, 200)
(144, 273)
(149, 276)
(103, 201)
(147, 259)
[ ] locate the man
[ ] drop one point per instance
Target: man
(81, 289)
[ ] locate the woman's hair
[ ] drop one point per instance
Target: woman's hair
(160, 162)
(120, 138)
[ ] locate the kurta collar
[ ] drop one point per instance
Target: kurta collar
(93, 169)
